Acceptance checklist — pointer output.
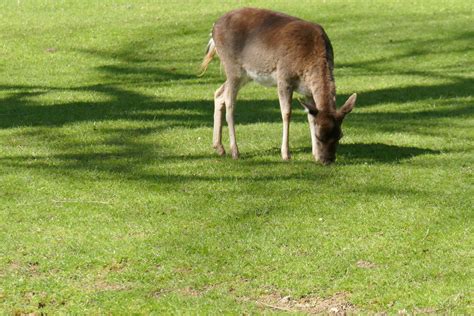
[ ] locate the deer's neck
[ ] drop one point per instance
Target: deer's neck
(323, 87)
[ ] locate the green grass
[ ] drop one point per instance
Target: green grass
(112, 200)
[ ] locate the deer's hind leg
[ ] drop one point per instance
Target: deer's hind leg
(226, 96)
(219, 106)
(232, 86)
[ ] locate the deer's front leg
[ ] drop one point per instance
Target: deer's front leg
(312, 128)
(219, 105)
(285, 93)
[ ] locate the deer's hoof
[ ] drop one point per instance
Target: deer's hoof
(235, 154)
(219, 150)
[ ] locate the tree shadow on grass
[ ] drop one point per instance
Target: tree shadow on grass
(459, 88)
(21, 108)
(379, 153)
(132, 163)
(457, 80)
(138, 63)
(348, 154)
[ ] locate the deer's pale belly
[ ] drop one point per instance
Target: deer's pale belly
(303, 90)
(269, 80)
(265, 79)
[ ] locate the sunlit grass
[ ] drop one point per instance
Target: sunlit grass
(112, 200)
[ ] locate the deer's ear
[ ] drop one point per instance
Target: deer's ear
(309, 107)
(348, 106)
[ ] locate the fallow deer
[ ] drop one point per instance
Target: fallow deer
(273, 48)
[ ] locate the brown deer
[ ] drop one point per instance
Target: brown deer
(273, 48)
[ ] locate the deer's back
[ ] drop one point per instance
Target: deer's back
(263, 41)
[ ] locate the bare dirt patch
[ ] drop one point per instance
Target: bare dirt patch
(334, 305)
(15, 267)
(183, 270)
(102, 285)
(426, 310)
(366, 264)
(189, 291)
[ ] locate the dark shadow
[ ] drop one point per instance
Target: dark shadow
(352, 153)
(460, 82)
(139, 62)
(154, 74)
(457, 89)
(128, 161)
(134, 66)
(380, 153)
(18, 110)
(128, 165)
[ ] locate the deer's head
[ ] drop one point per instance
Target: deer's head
(328, 128)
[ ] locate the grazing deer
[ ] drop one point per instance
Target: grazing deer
(272, 48)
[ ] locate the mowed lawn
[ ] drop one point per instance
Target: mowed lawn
(113, 201)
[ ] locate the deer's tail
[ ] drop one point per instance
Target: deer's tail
(210, 52)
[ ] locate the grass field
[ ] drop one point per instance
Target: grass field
(113, 201)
